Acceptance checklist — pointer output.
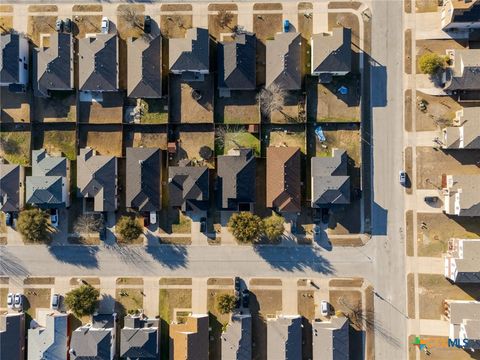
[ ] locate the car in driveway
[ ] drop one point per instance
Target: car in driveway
(55, 303)
(105, 25)
(237, 283)
(18, 301)
(68, 25)
(245, 298)
(324, 308)
(59, 25)
(147, 24)
(431, 199)
(10, 300)
(54, 217)
(402, 177)
(8, 219)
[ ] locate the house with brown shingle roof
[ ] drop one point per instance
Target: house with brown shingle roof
(283, 179)
(190, 340)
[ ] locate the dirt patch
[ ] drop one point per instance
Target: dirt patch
(434, 289)
(130, 28)
(433, 241)
(423, 6)
(407, 6)
(411, 295)
(290, 139)
(220, 281)
(39, 25)
(128, 301)
(108, 111)
(36, 299)
(408, 110)
(224, 22)
(129, 281)
(265, 26)
(87, 8)
(6, 8)
(93, 281)
(347, 302)
(409, 229)
(39, 281)
(97, 141)
(175, 281)
(306, 304)
(353, 241)
(265, 282)
(271, 6)
(171, 299)
(440, 111)
(175, 26)
(92, 239)
(190, 144)
(6, 24)
(184, 108)
(408, 51)
(409, 169)
(346, 283)
(176, 7)
(86, 24)
(15, 106)
(436, 46)
(340, 138)
(15, 146)
(42, 8)
(240, 108)
(429, 174)
(3, 298)
(344, 5)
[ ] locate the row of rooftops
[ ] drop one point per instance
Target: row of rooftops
(140, 338)
(98, 60)
(188, 186)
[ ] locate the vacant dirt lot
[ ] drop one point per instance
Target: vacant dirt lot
(108, 142)
(240, 108)
(184, 108)
(439, 113)
(453, 163)
(434, 289)
(433, 240)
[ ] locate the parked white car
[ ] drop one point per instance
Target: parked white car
(18, 301)
(54, 217)
(402, 177)
(10, 300)
(105, 25)
(325, 308)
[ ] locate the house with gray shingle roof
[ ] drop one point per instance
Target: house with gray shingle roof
(140, 338)
(48, 187)
(97, 179)
(464, 316)
(95, 341)
(237, 63)
(332, 53)
(236, 179)
(466, 132)
(53, 66)
(191, 53)
(144, 76)
(12, 336)
(284, 338)
(460, 15)
(188, 187)
(461, 261)
(461, 195)
(51, 341)
(237, 338)
(464, 74)
(98, 63)
(13, 60)
(330, 180)
(12, 178)
(143, 187)
(283, 61)
(330, 339)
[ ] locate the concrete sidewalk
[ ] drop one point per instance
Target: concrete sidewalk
(425, 265)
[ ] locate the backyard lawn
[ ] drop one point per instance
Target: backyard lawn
(56, 142)
(15, 146)
(155, 111)
(235, 140)
(288, 138)
(341, 138)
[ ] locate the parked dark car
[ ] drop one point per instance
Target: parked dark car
(68, 25)
(245, 298)
(237, 283)
(203, 225)
(59, 25)
(146, 219)
(147, 24)
(431, 199)
(8, 219)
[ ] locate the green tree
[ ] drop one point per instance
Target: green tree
(430, 63)
(129, 228)
(82, 301)
(273, 227)
(33, 225)
(245, 226)
(225, 303)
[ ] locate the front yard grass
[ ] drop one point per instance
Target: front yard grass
(129, 300)
(86, 24)
(6, 24)
(306, 304)
(174, 221)
(124, 27)
(171, 299)
(175, 26)
(15, 146)
(411, 295)
(423, 6)
(434, 289)
(439, 113)
(347, 302)
(215, 27)
(346, 139)
(3, 298)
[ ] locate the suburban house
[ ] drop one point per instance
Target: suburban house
(460, 14)
(96, 340)
(237, 63)
(331, 54)
(144, 76)
(466, 132)
(98, 63)
(53, 65)
(283, 179)
(190, 339)
(236, 179)
(143, 183)
(51, 341)
(330, 339)
(461, 194)
(464, 75)
(49, 185)
(12, 336)
(140, 338)
(190, 55)
(284, 338)
(237, 338)
(188, 187)
(464, 323)
(12, 179)
(462, 259)
(97, 180)
(283, 61)
(330, 180)
(14, 61)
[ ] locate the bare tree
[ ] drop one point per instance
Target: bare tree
(87, 224)
(226, 137)
(271, 99)
(224, 18)
(131, 17)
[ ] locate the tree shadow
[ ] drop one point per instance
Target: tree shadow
(171, 256)
(12, 266)
(129, 255)
(295, 258)
(81, 256)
